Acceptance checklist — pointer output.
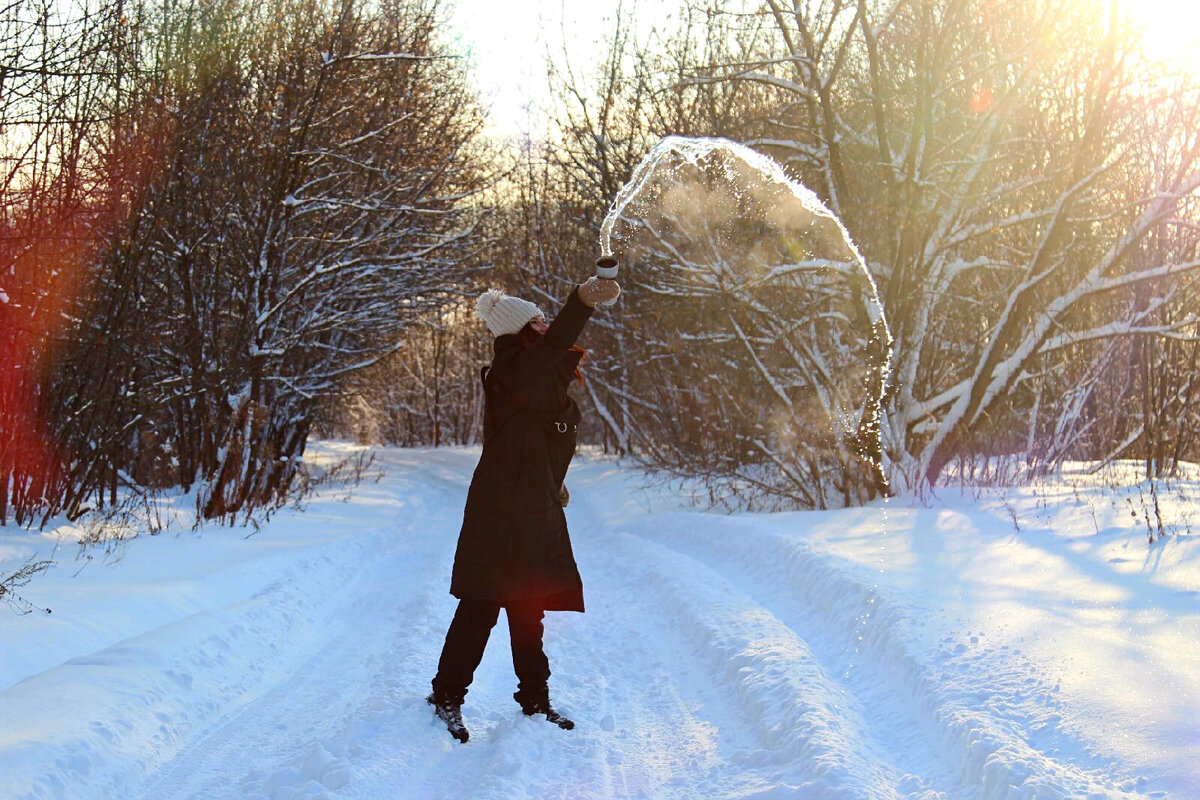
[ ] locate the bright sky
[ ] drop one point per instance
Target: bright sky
(508, 42)
(1171, 25)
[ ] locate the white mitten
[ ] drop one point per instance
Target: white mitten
(599, 291)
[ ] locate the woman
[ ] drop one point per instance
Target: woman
(514, 550)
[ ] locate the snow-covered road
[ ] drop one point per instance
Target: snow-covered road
(721, 656)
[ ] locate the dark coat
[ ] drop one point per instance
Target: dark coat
(514, 544)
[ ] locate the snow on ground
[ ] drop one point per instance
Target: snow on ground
(1025, 644)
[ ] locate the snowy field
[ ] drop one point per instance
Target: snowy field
(1022, 644)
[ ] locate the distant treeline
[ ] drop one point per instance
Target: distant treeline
(220, 218)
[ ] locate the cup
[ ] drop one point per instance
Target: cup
(606, 267)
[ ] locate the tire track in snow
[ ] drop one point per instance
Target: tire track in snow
(107, 718)
(893, 727)
(984, 757)
(306, 736)
(817, 731)
(303, 736)
(667, 730)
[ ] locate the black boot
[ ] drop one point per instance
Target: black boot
(449, 711)
(539, 703)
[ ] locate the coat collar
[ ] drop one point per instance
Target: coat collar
(507, 342)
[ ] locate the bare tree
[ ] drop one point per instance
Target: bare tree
(54, 79)
(1018, 177)
(427, 393)
(277, 192)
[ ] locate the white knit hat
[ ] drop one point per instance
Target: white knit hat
(504, 313)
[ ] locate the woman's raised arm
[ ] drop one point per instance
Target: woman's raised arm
(545, 353)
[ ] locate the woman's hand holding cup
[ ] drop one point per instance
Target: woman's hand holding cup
(599, 291)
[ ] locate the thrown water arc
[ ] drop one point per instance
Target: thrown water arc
(694, 150)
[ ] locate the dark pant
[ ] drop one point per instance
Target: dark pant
(468, 636)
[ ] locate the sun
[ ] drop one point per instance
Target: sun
(1171, 28)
